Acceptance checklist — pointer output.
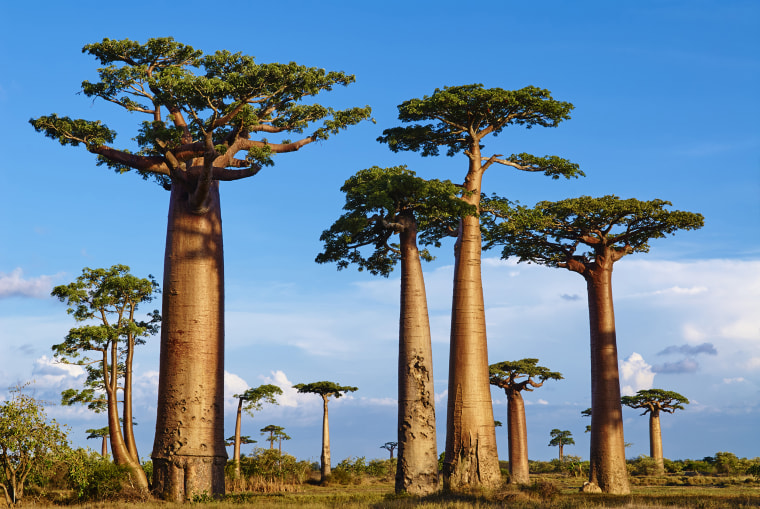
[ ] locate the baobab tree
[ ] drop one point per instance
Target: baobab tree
(276, 434)
(325, 390)
(515, 377)
(106, 303)
(251, 400)
(654, 401)
(390, 447)
(102, 434)
(380, 203)
(588, 235)
(560, 438)
(459, 119)
(210, 118)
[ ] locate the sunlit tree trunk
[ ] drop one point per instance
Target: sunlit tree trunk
(236, 447)
(607, 458)
(104, 446)
(517, 432)
(417, 466)
(325, 457)
(188, 452)
(655, 441)
(471, 456)
(128, 426)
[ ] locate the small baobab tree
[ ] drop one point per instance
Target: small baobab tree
(654, 401)
(390, 447)
(325, 390)
(102, 434)
(561, 438)
(380, 203)
(252, 400)
(588, 235)
(459, 119)
(208, 118)
(515, 377)
(106, 302)
(276, 434)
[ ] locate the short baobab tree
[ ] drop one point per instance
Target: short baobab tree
(588, 235)
(561, 438)
(390, 447)
(276, 434)
(251, 400)
(515, 377)
(102, 434)
(654, 401)
(325, 390)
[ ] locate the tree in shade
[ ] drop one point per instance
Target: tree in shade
(252, 400)
(380, 204)
(588, 235)
(325, 390)
(654, 401)
(459, 119)
(210, 118)
(561, 438)
(515, 377)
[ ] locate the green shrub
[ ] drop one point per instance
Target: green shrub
(95, 477)
(545, 490)
(642, 466)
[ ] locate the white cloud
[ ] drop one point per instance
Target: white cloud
(735, 380)
(51, 374)
(15, 285)
(635, 375)
(677, 290)
(441, 396)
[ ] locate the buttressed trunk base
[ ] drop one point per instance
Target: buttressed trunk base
(188, 452)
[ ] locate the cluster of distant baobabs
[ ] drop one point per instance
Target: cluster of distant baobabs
(212, 118)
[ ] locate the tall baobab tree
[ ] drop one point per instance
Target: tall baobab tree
(106, 302)
(654, 401)
(210, 118)
(561, 438)
(380, 203)
(515, 377)
(252, 400)
(588, 235)
(325, 390)
(459, 119)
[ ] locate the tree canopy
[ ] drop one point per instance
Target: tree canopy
(325, 389)
(521, 375)
(560, 438)
(202, 111)
(253, 399)
(375, 199)
(458, 115)
(656, 400)
(571, 233)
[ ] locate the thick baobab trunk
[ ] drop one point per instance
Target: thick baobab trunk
(325, 457)
(417, 466)
(236, 446)
(517, 432)
(188, 451)
(471, 456)
(607, 458)
(655, 442)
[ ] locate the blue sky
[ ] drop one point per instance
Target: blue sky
(666, 106)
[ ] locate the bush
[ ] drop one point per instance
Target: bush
(642, 466)
(544, 490)
(95, 477)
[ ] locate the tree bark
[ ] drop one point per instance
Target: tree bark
(236, 450)
(517, 433)
(471, 457)
(325, 457)
(608, 469)
(655, 442)
(417, 464)
(129, 431)
(121, 455)
(188, 452)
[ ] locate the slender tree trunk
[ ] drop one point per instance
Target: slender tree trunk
(104, 446)
(188, 452)
(561, 455)
(607, 458)
(236, 450)
(129, 431)
(517, 432)
(471, 456)
(121, 455)
(325, 457)
(417, 466)
(655, 442)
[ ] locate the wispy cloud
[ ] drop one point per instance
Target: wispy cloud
(706, 348)
(16, 285)
(574, 296)
(687, 365)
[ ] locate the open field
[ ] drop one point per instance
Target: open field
(548, 491)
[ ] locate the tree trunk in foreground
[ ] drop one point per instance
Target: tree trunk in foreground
(188, 452)
(517, 433)
(608, 469)
(471, 457)
(655, 442)
(417, 464)
(325, 457)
